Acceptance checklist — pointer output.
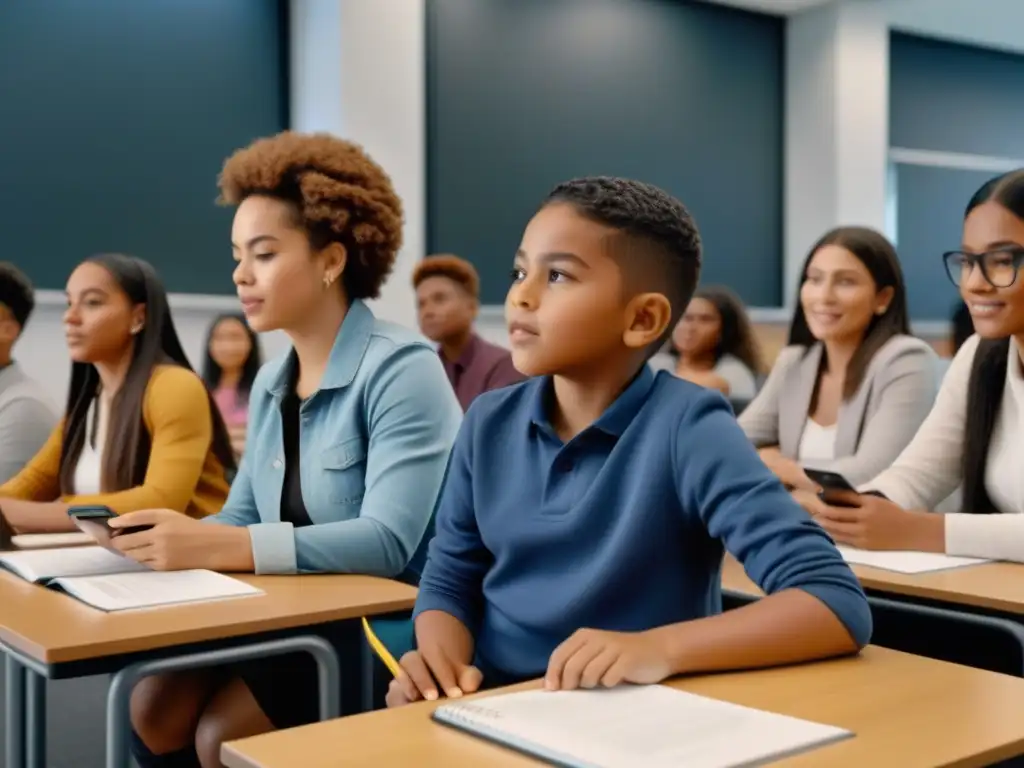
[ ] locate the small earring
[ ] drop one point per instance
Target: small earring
(881, 310)
(136, 330)
(328, 280)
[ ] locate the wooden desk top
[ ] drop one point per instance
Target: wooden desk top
(994, 586)
(52, 627)
(907, 712)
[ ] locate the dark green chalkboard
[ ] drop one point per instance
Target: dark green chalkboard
(522, 94)
(115, 117)
(929, 221)
(953, 98)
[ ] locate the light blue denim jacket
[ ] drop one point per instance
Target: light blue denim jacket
(374, 444)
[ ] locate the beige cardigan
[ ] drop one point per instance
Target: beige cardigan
(874, 425)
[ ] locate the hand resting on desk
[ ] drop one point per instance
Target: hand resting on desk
(443, 662)
(176, 542)
(589, 658)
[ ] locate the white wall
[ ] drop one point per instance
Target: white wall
(836, 126)
(358, 71)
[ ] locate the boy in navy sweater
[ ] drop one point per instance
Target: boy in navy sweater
(580, 531)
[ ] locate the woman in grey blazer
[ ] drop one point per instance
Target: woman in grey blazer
(853, 386)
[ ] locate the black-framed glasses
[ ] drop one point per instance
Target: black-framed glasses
(999, 267)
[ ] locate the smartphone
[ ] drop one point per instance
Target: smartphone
(831, 483)
(94, 519)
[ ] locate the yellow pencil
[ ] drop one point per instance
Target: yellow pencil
(382, 652)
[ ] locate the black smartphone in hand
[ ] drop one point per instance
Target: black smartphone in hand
(94, 520)
(831, 483)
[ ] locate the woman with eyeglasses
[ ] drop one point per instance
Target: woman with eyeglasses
(972, 433)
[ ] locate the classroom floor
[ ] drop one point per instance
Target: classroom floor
(76, 715)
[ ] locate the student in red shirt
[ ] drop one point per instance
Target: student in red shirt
(447, 299)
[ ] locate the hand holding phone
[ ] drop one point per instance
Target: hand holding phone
(94, 519)
(835, 489)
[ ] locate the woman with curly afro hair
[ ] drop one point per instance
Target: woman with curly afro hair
(349, 432)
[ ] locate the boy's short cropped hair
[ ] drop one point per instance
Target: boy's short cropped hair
(661, 247)
(447, 265)
(16, 293)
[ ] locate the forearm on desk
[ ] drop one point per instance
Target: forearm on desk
(361, 545)
(994, 537)
(785, 628)
(37, 516)
(229, 549)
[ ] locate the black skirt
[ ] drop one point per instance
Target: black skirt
(286, 687)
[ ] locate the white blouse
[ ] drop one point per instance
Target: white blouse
(817, 443)
(89, 468)
(930, 468)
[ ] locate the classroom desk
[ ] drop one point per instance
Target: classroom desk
(48, 635)
(989, 586)
(987, 597)
(906, 711)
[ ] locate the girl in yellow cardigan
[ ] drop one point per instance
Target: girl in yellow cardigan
(140, 429)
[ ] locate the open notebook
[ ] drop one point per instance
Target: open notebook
(51, 540)
(906, 562)
(653, 726)
(112, 582)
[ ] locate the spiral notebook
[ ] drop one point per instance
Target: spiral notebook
(653, 726)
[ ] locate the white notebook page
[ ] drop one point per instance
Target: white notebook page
(44, 564)
(51, 540)
(653, 726)
(907, 562)
(125, 591)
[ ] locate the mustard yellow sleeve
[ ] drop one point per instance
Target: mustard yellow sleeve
(176, 410)
(39, 480)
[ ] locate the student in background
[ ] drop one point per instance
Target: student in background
(232, 361)
(447, 299)
(140, 429)
(973, 434)
(594, 500)
(714, 345)
(852, 387)
(26, 418)
(349, 433)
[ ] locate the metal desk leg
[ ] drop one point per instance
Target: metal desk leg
(35, 720)
(119, 694)
(14, 701)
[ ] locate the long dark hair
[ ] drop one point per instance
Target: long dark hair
(212, 371)
(128, 442)
(876, 253)
(963, 326)
(988, 371)
(736, 336)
